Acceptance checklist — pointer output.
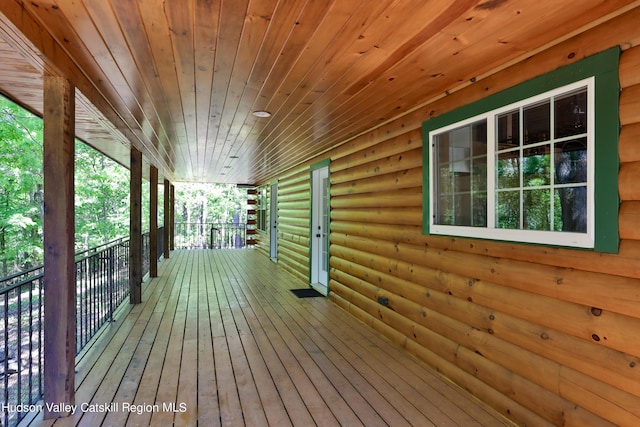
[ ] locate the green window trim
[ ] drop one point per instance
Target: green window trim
(604, 68)
(320, 164)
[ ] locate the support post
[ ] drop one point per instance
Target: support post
(135, 231)
(153, 222)
(59, 264)
(167, 218)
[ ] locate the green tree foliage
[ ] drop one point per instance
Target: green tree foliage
(101, 200)
(21, 192)
(210, 203)
(101, 186)
(101, 190)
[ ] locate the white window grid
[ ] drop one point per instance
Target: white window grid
(582, 240)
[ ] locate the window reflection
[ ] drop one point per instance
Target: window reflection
(462, 176)
(537, 123)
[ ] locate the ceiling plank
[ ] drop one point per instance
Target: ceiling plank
(207, 23)
(232, 20)
(257, 19)
(180, 79)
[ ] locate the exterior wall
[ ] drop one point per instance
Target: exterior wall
(545, 335)
(294, 216)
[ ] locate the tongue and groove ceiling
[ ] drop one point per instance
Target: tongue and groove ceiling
(180, 79)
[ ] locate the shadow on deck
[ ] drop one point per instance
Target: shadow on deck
(220, 340)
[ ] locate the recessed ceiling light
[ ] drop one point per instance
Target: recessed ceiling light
(261, 114)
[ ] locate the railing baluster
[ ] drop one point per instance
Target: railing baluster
(19, 344)
(31, 341)
(40, 336)
(110, 281)
(5, 356)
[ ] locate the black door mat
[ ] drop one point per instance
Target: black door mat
(306, 293)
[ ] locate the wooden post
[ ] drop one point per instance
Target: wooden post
(153, 222)
(173, 217)
(135, 231)
(59, 265)
(167, 218)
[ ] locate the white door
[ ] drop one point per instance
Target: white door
(273, 219)
(320, 229)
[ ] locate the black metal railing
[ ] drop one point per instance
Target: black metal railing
(102, 285)
(21, 351)
(212, 235)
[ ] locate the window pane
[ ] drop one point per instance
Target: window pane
(462, 209)
(508, 130)
(479, 171)
(536, 166)
(445, 184)
(445, 211)
(509, 169)
(461, 183)
(479, 134)
(508, 210)
(479, 218)
(537, 127)
(537, 209)
(573, 209)
(571, 114)
(571, 161)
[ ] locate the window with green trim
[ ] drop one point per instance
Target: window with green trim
(532, 164)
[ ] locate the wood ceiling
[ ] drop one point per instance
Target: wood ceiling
(179, 79)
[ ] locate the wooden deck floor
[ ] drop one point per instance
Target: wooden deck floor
(222, 340)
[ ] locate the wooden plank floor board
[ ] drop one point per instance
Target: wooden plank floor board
(170, 374)
(400, 414)
(240, 370)
(150, 380)
(323, 386)
(264, 401)
(292, 368)
(208, 409)
(220, 335)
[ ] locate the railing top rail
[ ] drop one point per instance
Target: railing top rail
(102, 247)
(21, 273)
(39, 269)
(210, 223)
(21, 283)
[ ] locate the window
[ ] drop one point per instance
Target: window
(521, 165)
(262, 209)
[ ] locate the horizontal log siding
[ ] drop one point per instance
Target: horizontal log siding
(294, 215)
(545, 335)
(262, 245)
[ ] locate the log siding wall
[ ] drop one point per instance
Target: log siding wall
(547, 336)
(294, 219)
